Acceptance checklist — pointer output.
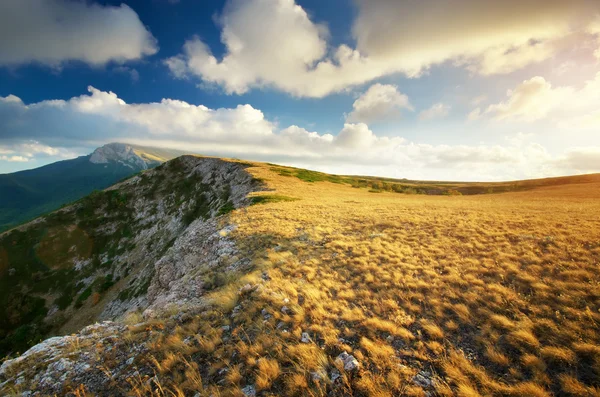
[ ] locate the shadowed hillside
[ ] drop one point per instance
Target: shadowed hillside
(28, 194)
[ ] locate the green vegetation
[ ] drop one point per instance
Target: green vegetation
(226, 208)
(271, 198)
(83, 296)
(310, 176)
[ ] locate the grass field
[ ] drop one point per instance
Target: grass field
(495, 294)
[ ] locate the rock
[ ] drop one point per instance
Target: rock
(285, 310)
(305, 338)
(266, 315)
(118, 153)
(280, 325)
(236, 311)
(249, 391)
(226, 328)
(335, 375)
(223, 371)
(247, 289)
(349, 362)
(423, 379)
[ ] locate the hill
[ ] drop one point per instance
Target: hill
(28, 194)
(223, 277)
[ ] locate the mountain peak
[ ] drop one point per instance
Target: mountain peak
(118, 153)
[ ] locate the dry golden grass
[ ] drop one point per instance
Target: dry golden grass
(492, 294)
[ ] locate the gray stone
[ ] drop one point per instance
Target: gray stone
(249, 391)
(349, 362)
(423, 379)
(335, 375)
(305, 338)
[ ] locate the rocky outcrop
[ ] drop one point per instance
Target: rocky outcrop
(120, 153)
(178, 276)
(157, 240)
(50, 367)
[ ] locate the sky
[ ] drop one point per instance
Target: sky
(421, 89)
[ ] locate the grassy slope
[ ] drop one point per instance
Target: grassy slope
(490, 294)
(433, 187)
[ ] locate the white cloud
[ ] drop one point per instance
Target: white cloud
(380, 102)
(14, 159)
(437, 111)
(52, 32)
(53, 129)
(355, 136)
(25, 151)
(529, 101)
(275, 43)
(536, 99)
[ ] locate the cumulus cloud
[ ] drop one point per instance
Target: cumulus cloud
(355, 136)
(275, 43)
(436, 111)
(52, 32)
(537, 99)
(380, 102)
(58, 128)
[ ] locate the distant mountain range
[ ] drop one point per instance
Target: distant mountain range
(28, 194)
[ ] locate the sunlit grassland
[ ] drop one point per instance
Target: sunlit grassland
(490, 294)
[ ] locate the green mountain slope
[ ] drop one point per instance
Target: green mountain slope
(28, 194)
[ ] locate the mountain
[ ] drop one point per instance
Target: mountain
(27, 194)
(207, 276)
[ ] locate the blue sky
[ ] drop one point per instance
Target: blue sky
(475, 91)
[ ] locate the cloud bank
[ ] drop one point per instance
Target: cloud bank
(53, 32)
(274, 43)
(58, 128)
